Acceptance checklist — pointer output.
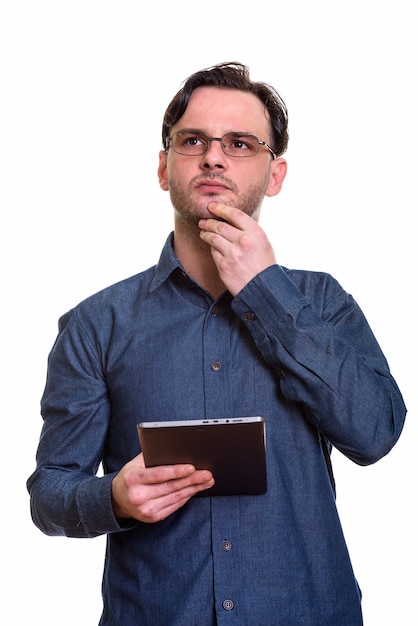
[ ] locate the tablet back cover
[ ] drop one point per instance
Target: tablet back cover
(234, 451)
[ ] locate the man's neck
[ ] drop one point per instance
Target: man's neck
(196, 258)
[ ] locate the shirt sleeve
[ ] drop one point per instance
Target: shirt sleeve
(67, 496)
(315, 337)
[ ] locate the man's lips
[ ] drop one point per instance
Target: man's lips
(211, 186)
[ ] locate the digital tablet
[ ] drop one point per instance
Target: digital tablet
(233, 449)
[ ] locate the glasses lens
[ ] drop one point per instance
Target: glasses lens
(240, 145)
(192, 143)
(189, 143)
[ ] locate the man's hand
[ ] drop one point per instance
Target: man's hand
(240, 247)
(152, 494)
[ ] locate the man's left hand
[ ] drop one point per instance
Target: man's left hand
(240, 247)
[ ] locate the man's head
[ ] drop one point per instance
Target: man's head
(232, 76)
(215, 122)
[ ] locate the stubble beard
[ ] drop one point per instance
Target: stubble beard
(189, 211)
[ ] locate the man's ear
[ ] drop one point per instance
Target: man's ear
(278, 169)
(162, 170)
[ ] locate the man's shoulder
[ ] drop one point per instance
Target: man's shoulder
(320, 288)
(311, 280)
(112, 301)
(121, 290)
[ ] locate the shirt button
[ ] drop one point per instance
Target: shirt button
(249, 316)
(215, 366)
(215, 311)
(281, 372)
(228, 605)
(226, 545)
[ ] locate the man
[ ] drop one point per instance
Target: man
(216, 329)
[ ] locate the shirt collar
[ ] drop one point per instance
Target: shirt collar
(166, 265)
(169, 264)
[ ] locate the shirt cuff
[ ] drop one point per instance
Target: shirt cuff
(94, 502)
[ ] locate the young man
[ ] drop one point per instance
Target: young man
(216, 329)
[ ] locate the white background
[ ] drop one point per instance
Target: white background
(84, 86)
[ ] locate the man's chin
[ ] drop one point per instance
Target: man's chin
(192, 213)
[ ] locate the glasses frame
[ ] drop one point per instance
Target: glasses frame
(208, 141)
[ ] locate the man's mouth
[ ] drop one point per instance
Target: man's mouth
(211, 186)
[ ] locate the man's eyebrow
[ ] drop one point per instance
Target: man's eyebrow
(199, 131)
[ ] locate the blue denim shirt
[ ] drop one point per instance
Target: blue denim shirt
(293, 347)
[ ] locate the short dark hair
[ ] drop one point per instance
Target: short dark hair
(232, 76)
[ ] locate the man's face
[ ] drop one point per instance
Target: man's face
(194, 181)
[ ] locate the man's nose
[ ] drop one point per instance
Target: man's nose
(214, 155)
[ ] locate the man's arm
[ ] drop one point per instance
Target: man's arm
(326, 359)
(322, 348)
(66, 495)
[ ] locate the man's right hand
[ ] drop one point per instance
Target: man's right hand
(150, 494)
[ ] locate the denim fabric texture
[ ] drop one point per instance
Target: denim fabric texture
(292, 347)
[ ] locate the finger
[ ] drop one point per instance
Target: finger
(186, 491)
(164, 479)
(171, 503)
(230, 214)
(216, 229)
(136, 475)
(159, 507)
(189, 482)
(218, 242)
(165, 473)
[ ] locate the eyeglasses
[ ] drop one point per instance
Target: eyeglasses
(195, 143)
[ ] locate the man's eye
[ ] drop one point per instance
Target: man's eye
(194, 141)
(240, 144)
(237, 144)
